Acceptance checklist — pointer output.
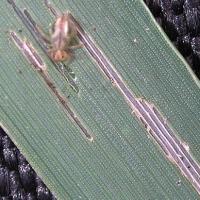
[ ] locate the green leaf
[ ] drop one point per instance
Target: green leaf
(122, 162)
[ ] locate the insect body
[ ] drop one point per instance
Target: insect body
(62, 34)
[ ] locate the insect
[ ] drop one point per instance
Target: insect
(63, 35)
(58, 51)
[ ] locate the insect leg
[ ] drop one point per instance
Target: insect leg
(44, 36)
(76, 46)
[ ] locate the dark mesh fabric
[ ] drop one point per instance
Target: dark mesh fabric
(18, 181)
(180, 19)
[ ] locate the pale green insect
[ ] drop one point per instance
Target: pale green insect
(62, 35)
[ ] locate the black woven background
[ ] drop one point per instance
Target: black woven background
(180, 19)
(18, 181)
